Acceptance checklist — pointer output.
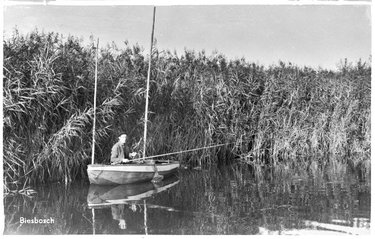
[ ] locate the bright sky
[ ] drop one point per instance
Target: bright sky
(317, 35)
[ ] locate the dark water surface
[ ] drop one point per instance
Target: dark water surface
(208, 201)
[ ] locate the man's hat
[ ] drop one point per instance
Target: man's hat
(123, 136)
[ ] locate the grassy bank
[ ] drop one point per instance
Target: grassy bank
(283, 114)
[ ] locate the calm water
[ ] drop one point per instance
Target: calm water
(208, 201)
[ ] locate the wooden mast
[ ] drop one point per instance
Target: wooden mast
(95, 91)
(148, 86)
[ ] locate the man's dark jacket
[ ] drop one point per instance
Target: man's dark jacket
(119, 152)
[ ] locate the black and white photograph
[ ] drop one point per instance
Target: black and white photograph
(144, 118)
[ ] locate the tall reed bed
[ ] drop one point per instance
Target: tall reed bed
(312, 117)
(283, 114)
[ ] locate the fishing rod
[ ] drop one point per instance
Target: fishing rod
(178, 152)
(183, 151)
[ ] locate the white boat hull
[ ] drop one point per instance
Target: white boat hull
(101, 174)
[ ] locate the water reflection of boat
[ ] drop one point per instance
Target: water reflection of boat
(116, 197)
(105, 195)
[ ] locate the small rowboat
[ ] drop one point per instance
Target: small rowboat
(102, 174)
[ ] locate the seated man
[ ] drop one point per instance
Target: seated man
(120, 151)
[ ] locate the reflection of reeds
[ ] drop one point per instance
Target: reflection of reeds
(297, 117)
(234, 201)
(65, 204)
(213, 201)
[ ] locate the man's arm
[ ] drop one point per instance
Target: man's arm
(126, 152)
(114, 155)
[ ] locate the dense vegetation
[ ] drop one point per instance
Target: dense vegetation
(284, 114)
